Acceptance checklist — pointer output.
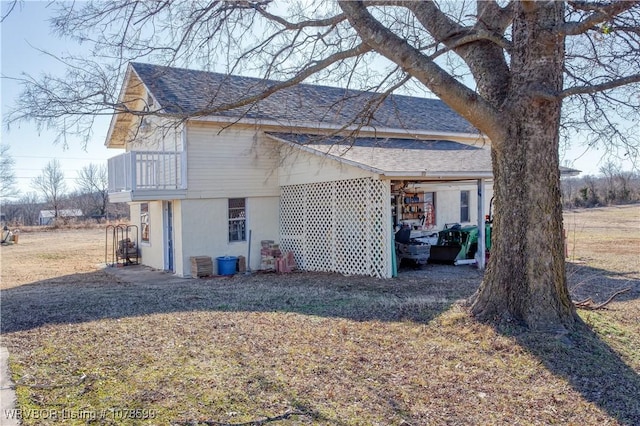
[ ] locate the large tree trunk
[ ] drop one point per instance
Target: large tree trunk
(525, 280)
(519, 109)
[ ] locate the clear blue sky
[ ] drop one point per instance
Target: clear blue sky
(23, 31)
(27, 29)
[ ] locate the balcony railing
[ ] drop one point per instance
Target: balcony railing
(146, 171)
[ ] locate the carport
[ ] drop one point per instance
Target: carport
(348, 226)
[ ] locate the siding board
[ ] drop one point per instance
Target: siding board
(300, 167)
(228, 162)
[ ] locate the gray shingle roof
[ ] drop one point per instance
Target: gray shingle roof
(189, 92)
(401, 157)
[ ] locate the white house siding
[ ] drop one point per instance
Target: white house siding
(159, 162)
(158, 134)
(338, 226)
(233, 162)
(222, 164)
(204, 229)
(151, 252)
(180, 266)
(301, 167)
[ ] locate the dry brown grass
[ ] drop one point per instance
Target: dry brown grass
(311, 348)
(605, 238)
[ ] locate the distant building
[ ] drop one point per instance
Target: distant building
(47, 217)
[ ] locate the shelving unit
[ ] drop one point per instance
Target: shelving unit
(412, 207)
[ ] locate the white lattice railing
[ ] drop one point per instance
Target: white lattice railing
(341, 226)
(156, 170)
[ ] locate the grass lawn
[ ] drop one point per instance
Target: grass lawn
(91, 347)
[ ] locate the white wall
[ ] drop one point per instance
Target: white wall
(301, 167)
(233, 162)
(152, 252)
(222, 164)
(204, 230)
(158, 134)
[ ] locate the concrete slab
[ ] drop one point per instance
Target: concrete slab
(143, 274)
(7, 392)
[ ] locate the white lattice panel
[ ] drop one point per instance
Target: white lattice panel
(341, 226)
(292, 222)
(380, 237)
(318, 231)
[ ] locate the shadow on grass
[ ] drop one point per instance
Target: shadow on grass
(139, 291)
(586, 362)
(592, 368)
(582, 358)
(416, 295)
(599, 284)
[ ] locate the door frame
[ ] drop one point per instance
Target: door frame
(168, 236)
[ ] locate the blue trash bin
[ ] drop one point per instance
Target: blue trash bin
(227, 265)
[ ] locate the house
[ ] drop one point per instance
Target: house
(303, 168)
(48, 217)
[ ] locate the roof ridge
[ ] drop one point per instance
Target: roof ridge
(270, 80)
(185, 92)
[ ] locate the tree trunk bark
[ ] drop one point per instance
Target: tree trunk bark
(520, 111)
(525, 280)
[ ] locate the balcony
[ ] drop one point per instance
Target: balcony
(147, 176)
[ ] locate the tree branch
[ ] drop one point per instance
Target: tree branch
(491, 15)
(478, 35)
(9, 10)
(460, 98)
(589, 305)
(601, 12)
(595, 88)
(298, 78)
(266, 419)
(302, 24)
(481, 47)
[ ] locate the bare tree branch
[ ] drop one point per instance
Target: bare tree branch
(595, 88)
(327, 22)
(481, 53)
(51, 184)
(600, 12)
(298, 78)
(458, 96)
(10, 8)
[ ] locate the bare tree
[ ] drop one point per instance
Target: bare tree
(624, 180)
(52, 185)
(94, 182)
(524, 73)
(609, 171)
(589, 193)
(23, 211)
(8, 187)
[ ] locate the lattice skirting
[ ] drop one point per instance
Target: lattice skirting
(341, 226)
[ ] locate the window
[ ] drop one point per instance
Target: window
(237, 219)
(144, 222)
(464, 206)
